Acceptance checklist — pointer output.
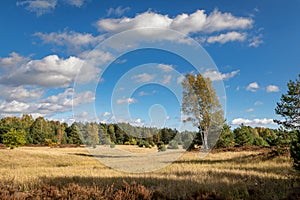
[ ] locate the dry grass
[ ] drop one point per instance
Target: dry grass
(230, 175)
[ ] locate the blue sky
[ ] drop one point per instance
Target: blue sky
(45, 43)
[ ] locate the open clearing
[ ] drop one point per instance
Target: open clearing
(231, 175)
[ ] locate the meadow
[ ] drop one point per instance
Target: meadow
(62, 173)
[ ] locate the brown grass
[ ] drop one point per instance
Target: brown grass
(44, 172)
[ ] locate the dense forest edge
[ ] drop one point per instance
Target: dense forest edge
(19, 131)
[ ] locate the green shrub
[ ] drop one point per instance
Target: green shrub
(259, 141)
(127, 143)
(147, 145)
(14, 138)
(112, 145)
(173, 145)
(295, 151)
(133, 142)
(162, 148)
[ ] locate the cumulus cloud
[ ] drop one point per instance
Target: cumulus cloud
(218, 76)
(165, 67)
(51, 71)
(153, 26)
(143, 78)
(263, 121)
(14, 107)
(127, 101)
(73, 40)
(13, 61)
(252, 87)
(272, 88)
(195, 22)
(180, 79)
(105, 114)
(117, 11)
(227, 37)
(20, 93)
(39, 7)
(59, 103)
(166, 79)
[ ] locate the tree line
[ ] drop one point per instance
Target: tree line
(17, 131)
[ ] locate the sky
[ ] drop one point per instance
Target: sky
(123, 61)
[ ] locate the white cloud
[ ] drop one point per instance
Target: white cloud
(253, 87)
(127, 100)
(227, 37)
(166, 79)
(143, 78)
(76, 3)
(218, 76)
(197, 22)
(40, 7)
(165, 67)
(105, 114)
(250, 110)
(272, 88)
(20, 93)
(59, 103)
(51, 71)
(13, 61)
(186, 23)
(258, 103)
(180, 79)
(256, 41)
(14, 107)
(117, 11)
(263, 121)
(73, 40)
(143, 93)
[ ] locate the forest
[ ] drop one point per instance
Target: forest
(26, 130)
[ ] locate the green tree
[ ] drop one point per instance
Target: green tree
(73, 136)
(92, 137)
(39, 131)
(226, 138)
(201, 105)
(289, 109)
(289, 106)
(244, 135)
(14, 138)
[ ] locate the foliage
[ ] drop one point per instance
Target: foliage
(289, 106)
(162, 148)
(112, 145)
(173, 145)
(14, 138)
(243, 135)
(295, 149)
(200, 103)
(226, 138)
(289, 109)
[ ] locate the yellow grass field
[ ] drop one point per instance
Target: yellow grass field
(230, 175)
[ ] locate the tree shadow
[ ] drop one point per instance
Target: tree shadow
(99, 156)
(263, 156)
(242, 186)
